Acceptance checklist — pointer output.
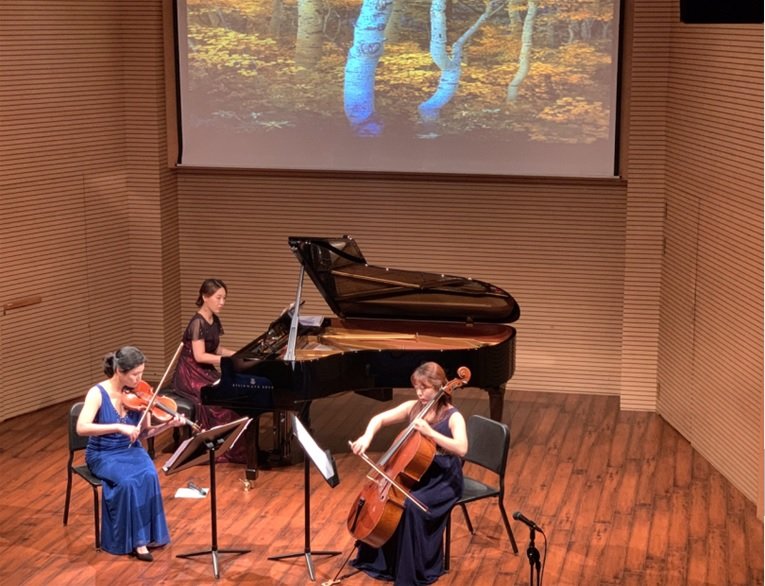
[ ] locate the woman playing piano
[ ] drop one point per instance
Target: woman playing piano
(201, 355)
(414, 554)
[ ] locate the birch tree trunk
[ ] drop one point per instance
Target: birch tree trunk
(514, 15)
(309, 33)
(361, 66)
(450, 66)
(277, 17)
(393, 28)
(524, 58)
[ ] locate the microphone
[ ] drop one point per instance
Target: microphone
(518, 516)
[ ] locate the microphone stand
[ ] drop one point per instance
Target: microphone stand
(533, 554)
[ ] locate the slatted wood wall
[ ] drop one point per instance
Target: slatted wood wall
(556, 246)
(115, 242)
(645, 62)
(64, 205)
(89, 220)
(710, 359)
(152, 191)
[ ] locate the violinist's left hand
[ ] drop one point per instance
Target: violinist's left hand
(423, 427)
(177, 421)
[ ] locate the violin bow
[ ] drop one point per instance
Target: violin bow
(150, 404)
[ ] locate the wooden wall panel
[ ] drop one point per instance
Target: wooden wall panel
(89, 220)
(63, 192)
(645, 74)
(711, 354)
(151, 187)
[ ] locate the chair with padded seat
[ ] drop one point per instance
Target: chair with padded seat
(488, 447)
(78, 443)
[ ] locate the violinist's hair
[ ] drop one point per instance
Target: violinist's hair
(124, 359)
(210, 286)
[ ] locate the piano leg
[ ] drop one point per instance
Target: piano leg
(251, 437)
(496, 402)
(280, 453)
(282, 432)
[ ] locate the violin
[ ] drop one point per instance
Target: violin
(161, 407)
(377, 510)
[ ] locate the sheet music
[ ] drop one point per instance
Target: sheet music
(317, 455)
(311, 320)
(195, 444)
(180, 450)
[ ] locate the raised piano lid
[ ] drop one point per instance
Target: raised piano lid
(354, 289)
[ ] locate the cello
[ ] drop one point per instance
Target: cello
(377, 510)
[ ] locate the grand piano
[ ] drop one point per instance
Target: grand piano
(388, 321)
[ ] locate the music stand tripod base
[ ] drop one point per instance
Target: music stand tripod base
(215, 441)
(214, 553)
(311, 453)
(308, 559)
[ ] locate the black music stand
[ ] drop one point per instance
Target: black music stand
(325, 463)
(208, 444)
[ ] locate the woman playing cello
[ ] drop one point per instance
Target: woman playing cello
(414, 554)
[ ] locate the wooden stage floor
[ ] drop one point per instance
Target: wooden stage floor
(622, 497)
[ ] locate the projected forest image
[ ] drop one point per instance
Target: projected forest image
(428, 69)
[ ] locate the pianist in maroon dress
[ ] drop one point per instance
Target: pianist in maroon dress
(201, 355)
(414, 553)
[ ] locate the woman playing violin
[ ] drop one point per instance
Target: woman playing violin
(414, 554)
(133, 516)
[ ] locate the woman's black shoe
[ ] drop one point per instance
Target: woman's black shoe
(144, 557)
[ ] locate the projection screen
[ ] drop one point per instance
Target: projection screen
(498, 87)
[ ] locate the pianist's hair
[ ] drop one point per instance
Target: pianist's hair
(210, 286)
(124, 359)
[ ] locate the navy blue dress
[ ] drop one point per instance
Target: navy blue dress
(414, 553)
(132, 511)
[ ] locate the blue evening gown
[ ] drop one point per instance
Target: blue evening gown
(132, 511)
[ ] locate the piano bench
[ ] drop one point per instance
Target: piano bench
(186, 408)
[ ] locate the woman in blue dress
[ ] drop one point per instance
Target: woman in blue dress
(133, 517)
(414, 554)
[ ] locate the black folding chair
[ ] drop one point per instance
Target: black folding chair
(78, 443)
(488, 447)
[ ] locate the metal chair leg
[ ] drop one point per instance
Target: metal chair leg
(467, 518)
(507, 526)
(97, 519)
(68, 494)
